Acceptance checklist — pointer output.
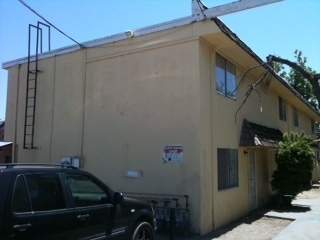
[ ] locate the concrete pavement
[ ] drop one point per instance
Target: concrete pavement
(305, 225)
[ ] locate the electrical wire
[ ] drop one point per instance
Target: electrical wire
(82, 46)
(21, 1)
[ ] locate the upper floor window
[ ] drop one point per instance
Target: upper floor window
(313, 128)
(282, 109)
(295, 117)
(225, 77)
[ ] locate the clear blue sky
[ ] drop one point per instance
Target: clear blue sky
(279, 28)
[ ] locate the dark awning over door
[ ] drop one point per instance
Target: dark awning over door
(257, 135)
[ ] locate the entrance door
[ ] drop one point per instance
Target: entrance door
(252, 181)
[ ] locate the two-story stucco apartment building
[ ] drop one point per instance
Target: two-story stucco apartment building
(156, 113)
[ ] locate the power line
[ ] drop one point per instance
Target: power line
(81, 46)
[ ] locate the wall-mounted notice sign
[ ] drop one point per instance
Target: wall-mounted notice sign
(173, 153)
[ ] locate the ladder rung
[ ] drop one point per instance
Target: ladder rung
(34, 71)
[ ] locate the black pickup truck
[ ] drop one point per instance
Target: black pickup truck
(44, 201)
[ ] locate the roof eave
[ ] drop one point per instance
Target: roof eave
(247, 49)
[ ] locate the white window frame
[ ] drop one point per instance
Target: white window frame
(228, 168)
(226, 81)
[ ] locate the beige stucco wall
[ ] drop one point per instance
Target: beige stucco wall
(118, 105)
(59, 96)
(139, 103)
(12, 95)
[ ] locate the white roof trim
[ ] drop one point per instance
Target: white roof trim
(101, 41)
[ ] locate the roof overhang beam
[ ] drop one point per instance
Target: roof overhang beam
(201, 11)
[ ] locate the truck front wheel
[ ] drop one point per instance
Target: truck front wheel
(142, 231)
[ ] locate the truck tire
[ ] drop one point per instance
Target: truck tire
(142, 231)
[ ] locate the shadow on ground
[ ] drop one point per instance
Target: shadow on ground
(292, 209)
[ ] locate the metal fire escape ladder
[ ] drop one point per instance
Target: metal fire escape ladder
(31, 89)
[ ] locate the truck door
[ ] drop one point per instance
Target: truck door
(93, 208)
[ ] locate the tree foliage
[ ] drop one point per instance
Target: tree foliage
(297, 79)
(295, 162)
(302, 78)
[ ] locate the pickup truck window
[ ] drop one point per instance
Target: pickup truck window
(86, 192)
(20, 199)
(44, 191)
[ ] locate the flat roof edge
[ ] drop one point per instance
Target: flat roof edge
(104, 40)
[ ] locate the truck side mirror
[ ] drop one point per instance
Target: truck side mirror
(117, 198)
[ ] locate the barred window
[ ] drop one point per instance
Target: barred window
(227, 168)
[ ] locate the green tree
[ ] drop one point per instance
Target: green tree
(295, 162)
(298, 81)
(301, 77)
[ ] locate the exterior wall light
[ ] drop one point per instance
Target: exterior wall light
(129, 33)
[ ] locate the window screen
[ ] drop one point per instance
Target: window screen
(227, 168)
